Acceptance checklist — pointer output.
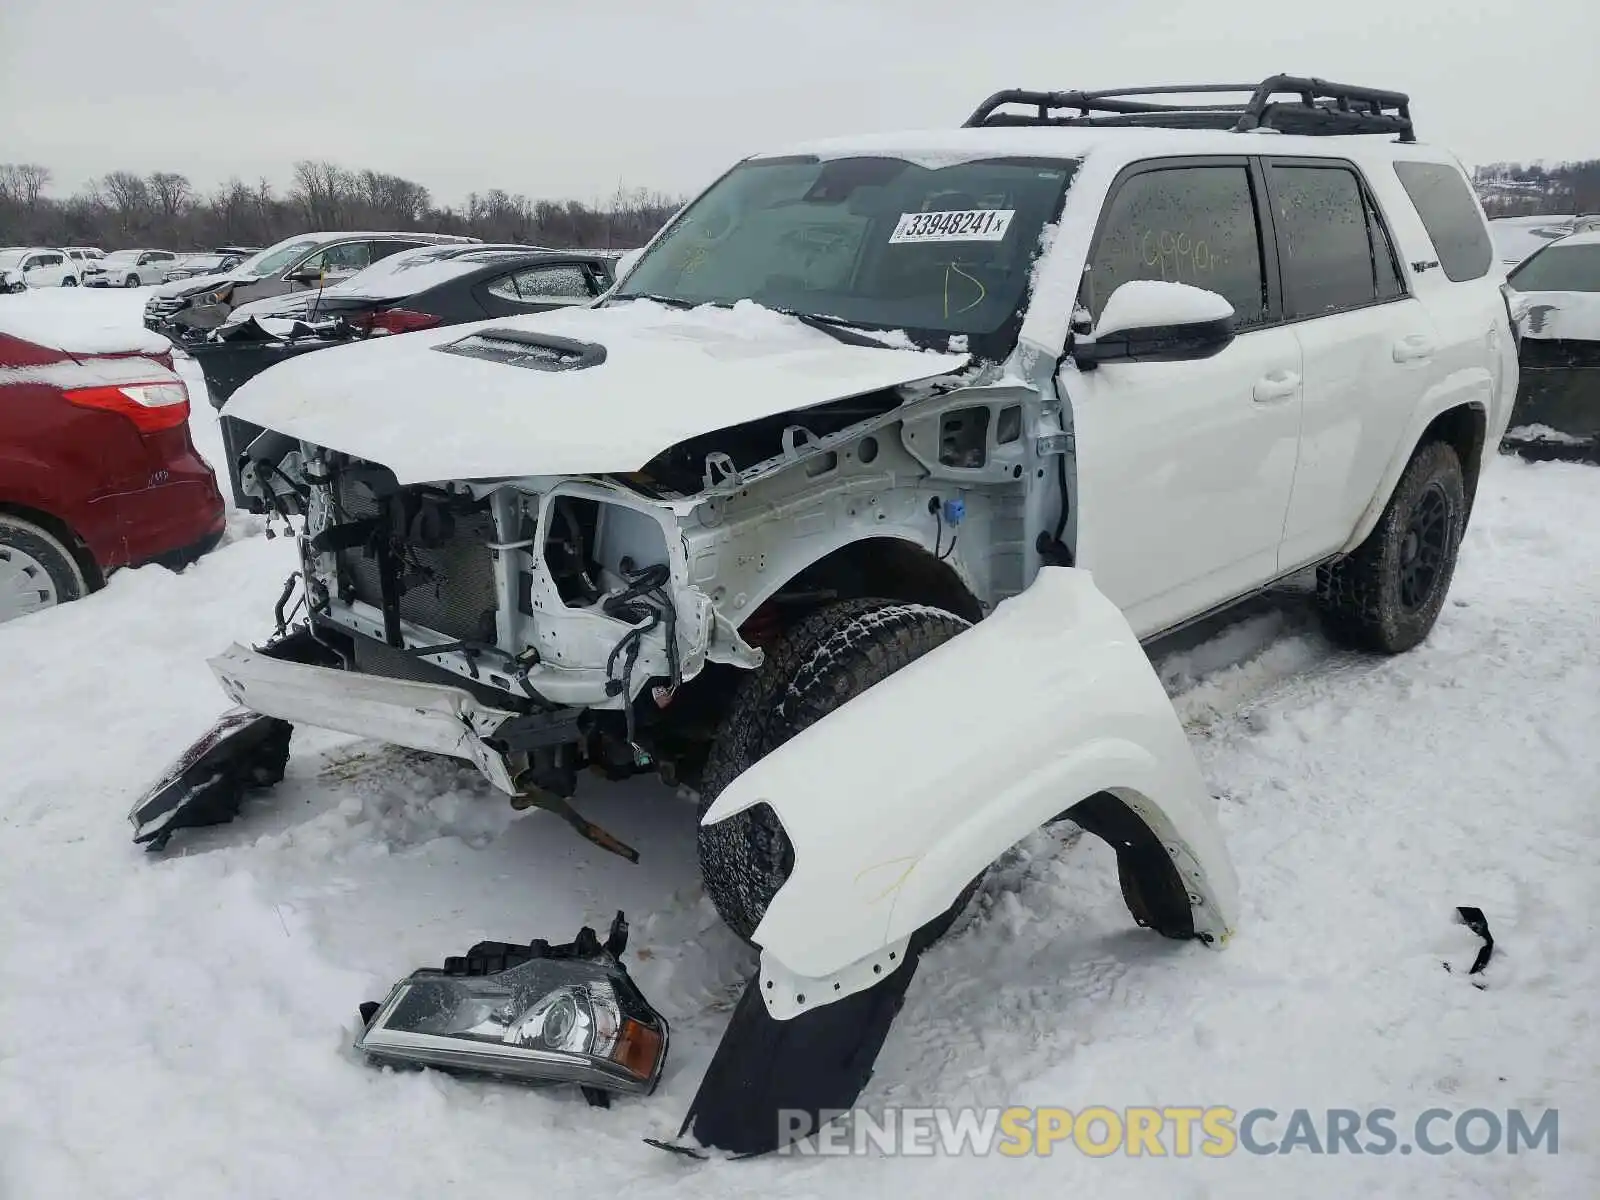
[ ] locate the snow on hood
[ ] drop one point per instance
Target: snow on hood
(1560, 315)
(668, 375)
(195, 283)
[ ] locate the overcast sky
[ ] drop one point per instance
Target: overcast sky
(569, 99)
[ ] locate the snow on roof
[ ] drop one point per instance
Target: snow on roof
(1587, 238)
(1515, 238)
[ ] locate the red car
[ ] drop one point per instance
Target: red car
(97, 469)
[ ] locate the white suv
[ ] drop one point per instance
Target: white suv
(1017, 397)
(22, 268)
(132, 268)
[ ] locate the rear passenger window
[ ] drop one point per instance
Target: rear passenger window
(1325, 239)
(1451, 216)
(1194, 225)
(545, 285)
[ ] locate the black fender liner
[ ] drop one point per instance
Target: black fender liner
(771, 1082)
(1151, 884)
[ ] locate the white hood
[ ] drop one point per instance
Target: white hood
(668, 375)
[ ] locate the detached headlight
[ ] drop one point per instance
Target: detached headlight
(552, 1014)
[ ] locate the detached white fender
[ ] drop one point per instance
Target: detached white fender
(898, 799)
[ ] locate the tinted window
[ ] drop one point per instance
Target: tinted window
(351, 256)
(1451, 216)
(1324, 241)
(1560, 269)
(544, 284)
(50, 260)
(1194, 225)
(382, 250)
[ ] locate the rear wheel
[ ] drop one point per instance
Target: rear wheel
(36, 570)
(1386, 594)
(830, 657)
(69, 281)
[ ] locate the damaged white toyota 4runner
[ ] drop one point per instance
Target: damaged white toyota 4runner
(981, 409)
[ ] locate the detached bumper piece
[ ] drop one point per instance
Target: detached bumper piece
(536, 1014)
(207, 784)
(243, 751)
(421, 716)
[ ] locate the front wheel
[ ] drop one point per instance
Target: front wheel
(1386, 594)
(830, 657)
(131, 281)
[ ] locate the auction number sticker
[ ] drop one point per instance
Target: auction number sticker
(965, 225)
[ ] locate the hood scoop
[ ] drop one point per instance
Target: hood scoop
(525, 348)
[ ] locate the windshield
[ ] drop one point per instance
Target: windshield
(879, 242)
(1560, 269)
(203, 262)
(117, 256)
(275, 258)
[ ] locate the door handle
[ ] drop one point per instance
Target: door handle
(1413, 348)
(1276, 387)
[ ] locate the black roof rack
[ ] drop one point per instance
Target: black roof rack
(1317, 107)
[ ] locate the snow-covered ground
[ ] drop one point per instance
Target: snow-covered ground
(177, 1028)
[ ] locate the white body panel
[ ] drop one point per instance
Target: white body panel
(1366, 371)
(668, 376)
(1184, 474)
(1054, 685)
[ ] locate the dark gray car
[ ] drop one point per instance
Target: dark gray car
(187, 308)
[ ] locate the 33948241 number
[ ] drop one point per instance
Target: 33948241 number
(963, 225)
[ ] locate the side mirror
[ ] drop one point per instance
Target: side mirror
(625, 263)
(305, 275)
(1147, 320)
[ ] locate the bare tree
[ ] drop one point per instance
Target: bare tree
(128, 196)
(171, 191)
(321, 190)
(23, 184)
(161, 207)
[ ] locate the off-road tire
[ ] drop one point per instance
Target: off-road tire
(831, 656)
(57, 559)
(1364, 597)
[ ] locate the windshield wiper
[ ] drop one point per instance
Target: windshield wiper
(669, 301)
(837, 329)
